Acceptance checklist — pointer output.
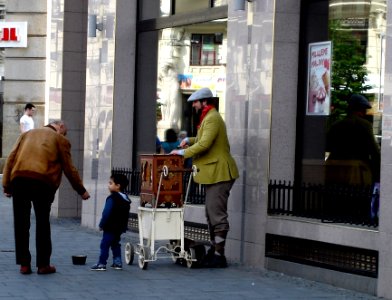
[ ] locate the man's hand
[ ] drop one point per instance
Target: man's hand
(86, 195)
(6, 193)
(184, 143)
(177, 152)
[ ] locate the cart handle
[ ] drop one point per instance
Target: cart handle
(193, 170)
(165, 173)
(165, 169)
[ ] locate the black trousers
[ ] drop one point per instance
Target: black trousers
(25, 192)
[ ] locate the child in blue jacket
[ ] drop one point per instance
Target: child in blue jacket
(114, 222)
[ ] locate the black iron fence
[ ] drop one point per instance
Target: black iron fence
(196, 193)
(134, 179)
(330, 203)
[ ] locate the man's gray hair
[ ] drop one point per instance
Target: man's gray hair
(56, 122)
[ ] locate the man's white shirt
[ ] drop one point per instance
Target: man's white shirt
(27, 123)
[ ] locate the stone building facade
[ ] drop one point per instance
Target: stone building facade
(103, 81)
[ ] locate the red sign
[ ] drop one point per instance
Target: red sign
(13, 34)
(9, 34)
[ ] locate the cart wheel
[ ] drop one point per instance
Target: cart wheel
(197, 252)
(175, 247)
(190, 257)
(129, 253)
(143, 255)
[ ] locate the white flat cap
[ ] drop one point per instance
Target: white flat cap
(203, 93)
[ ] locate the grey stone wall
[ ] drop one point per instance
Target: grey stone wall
(24, 70)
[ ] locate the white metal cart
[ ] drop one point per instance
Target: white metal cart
(159, 224)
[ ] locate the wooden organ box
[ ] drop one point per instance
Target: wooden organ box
(170, 192)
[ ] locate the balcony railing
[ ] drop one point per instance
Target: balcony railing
(355, 205)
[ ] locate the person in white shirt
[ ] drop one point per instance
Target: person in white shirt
(26, 121)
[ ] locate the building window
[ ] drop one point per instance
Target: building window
(205, 49)
(357, 31)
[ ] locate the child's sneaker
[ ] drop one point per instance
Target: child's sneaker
(116, 266)
(98, 267)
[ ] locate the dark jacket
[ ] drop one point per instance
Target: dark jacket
(115, 213)
(352, 139)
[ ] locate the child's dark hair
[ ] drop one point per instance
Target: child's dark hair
(171, 135)
(120, 179)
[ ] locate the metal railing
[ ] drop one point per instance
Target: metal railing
(330, 203)
(356, 205)
(196, 191)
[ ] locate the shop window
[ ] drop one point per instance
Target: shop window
(356, 32)
(205, 48)
(340, 110)
(188, 61)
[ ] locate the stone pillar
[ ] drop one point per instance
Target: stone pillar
(72, 88)
(24, 70)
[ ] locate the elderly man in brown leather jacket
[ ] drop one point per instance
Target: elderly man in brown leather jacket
(32, 174)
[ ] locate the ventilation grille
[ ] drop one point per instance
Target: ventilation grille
(329, 256)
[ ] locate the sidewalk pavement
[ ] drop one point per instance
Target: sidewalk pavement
(162, 280)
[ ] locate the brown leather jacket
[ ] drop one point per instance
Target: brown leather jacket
(42, 154)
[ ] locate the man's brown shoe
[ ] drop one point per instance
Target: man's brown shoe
(46, 270)
(25, 270)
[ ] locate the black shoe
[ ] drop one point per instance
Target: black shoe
(208, 256)
(217, 261)
(210, 253)
(116, 266)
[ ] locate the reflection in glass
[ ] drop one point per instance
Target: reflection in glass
(357, 32)
(186, 6)
(165, 8)
(219, 2)
(356, 29)
(190, 57)
(205, 49)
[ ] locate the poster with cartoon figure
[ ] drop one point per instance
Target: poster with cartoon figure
(319, 79)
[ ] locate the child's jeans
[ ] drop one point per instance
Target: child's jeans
(110, 240)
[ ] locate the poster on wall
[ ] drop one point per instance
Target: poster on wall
(319, 79)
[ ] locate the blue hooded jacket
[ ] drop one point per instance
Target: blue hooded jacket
(115, 213)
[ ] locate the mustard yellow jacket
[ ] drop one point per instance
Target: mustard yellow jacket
(210, 151)
(42, 154)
